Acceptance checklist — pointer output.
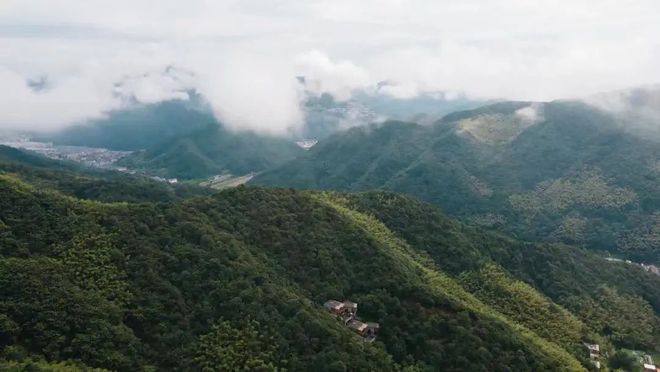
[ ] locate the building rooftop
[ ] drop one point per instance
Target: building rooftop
(349, 304)
(373, 325)
(333, 305)
(592, 347)
(357, 325)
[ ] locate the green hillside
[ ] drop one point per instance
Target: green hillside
(236, 280)
(559, 172)
(88, 183)
(139, 127)
(178, 139)
(213, 150)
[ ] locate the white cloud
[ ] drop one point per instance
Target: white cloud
(531, 114)
(325, 76)
(157, 87)
(250, 91)
(245, 54)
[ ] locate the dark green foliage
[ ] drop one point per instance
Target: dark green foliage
(623, 360)
(576, 175)
(599, 292)
(236, 280)
(138, 286)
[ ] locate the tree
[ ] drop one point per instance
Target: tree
(227, 348)
(622, 360)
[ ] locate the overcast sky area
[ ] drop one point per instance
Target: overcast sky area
(67, 61)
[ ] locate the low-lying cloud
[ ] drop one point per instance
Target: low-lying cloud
(71, 61)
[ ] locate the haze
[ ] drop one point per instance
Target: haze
(69, 61)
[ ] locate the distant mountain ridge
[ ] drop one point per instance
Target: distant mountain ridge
(558, 171)
(179, 139)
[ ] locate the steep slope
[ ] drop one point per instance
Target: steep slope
(614, 299)
(560, 171)
(124, 286)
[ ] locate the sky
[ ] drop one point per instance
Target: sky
(66, 61)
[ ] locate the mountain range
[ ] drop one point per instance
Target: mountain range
(503, 237)
(561, 171)
(183, 139)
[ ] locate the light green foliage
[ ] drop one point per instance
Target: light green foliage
(226, 348)
(439, 283)
(629, 321)
(522, 304)
(36, 365)
(587, 190)
(494, 129)
(89, 261)
(571, 229)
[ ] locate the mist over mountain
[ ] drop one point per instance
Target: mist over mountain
(182, 138)
(329, 185)
(558, 171)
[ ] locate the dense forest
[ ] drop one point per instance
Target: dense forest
(562, 172)
(236, 280)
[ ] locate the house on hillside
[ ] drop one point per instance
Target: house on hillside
(350, 308)
(647, 359)
(334, 307)
(358, 327)
(649, 368)
(372, 331)
(347, 310)
(594, 354)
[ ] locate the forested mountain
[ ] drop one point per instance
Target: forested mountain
(82, 182)
(179, 139)
(183, 139)
(139, 127)
(213, 150)
(561, 171)
(236, 281)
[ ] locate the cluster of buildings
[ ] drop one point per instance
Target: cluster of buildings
(594, 354)
(646, 360)
(651, 268)
(347, 312)
(162, 179)
(646, 267)
(90, 156)
(648, 365)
